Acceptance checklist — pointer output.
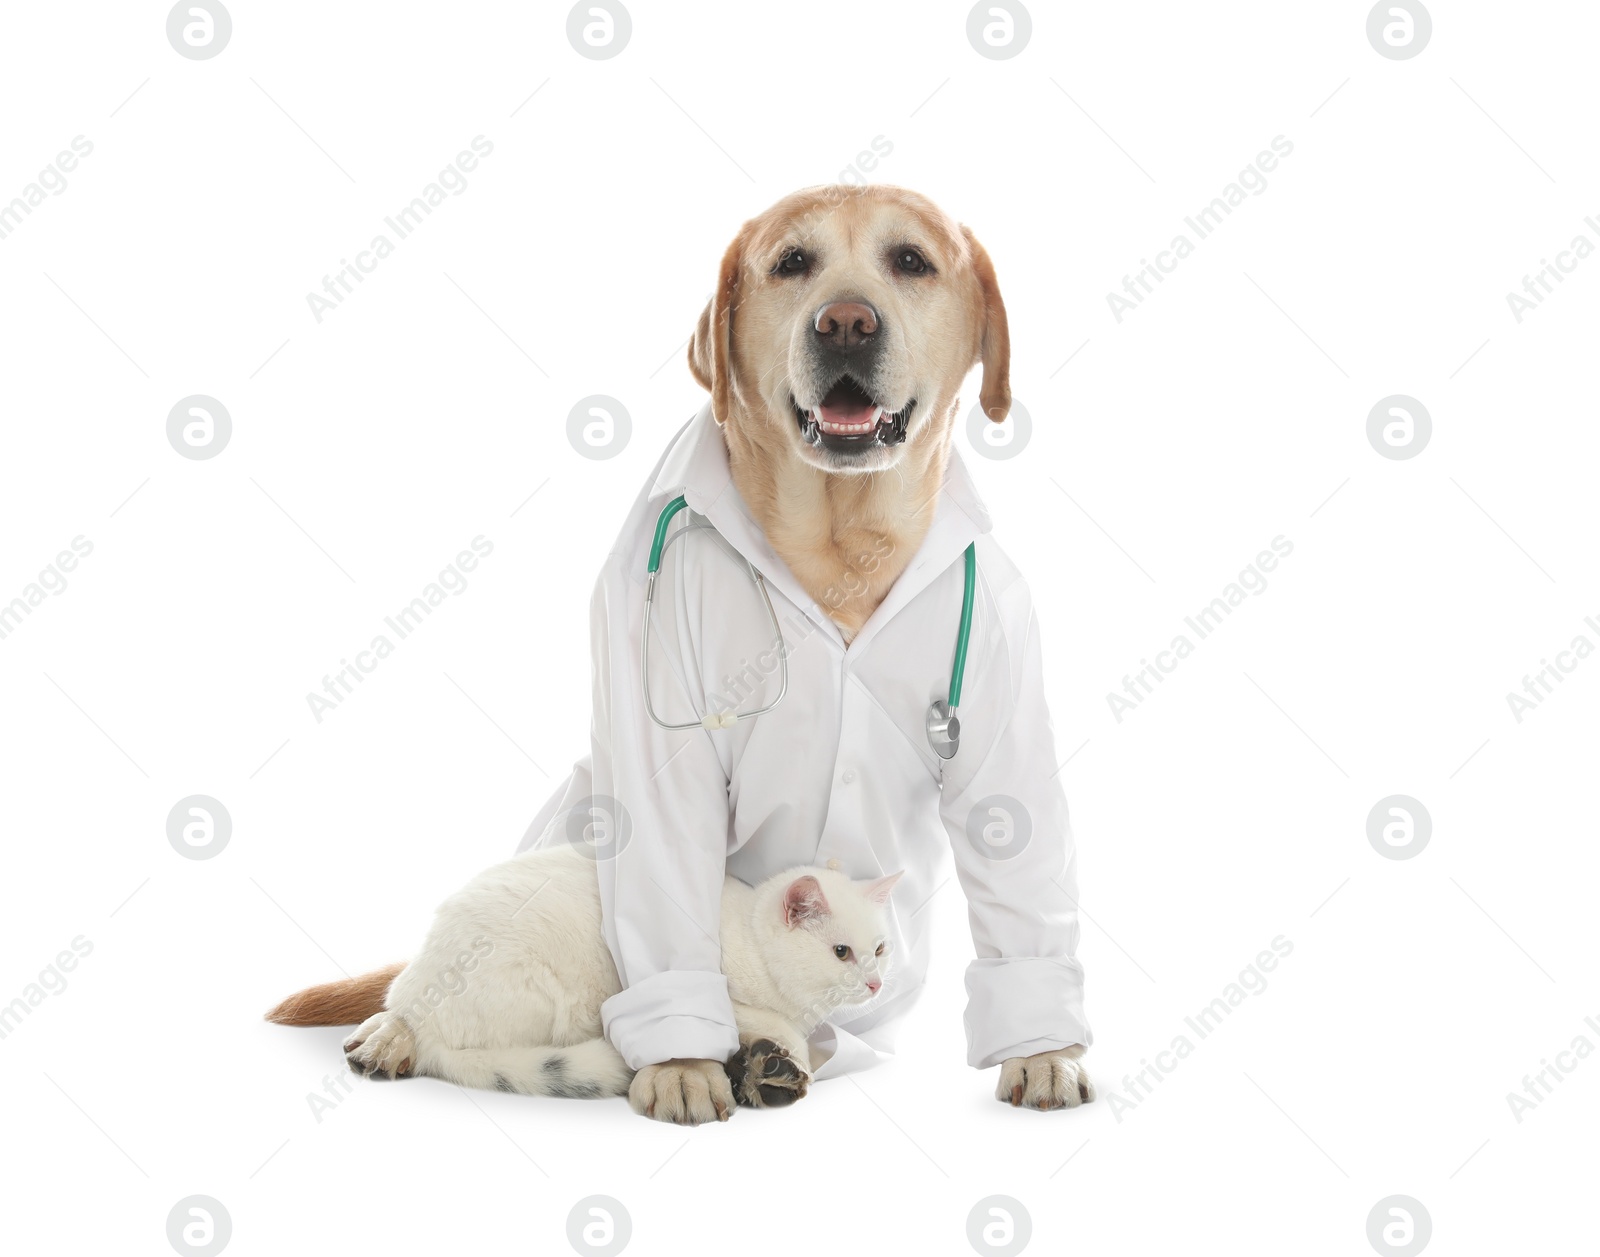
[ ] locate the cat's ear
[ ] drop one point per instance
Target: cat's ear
(804, 901)
(878, 888)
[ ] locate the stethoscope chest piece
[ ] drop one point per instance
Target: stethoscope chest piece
(942, 724)
(944, 729)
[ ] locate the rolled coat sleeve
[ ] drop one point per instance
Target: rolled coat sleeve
(666, 794)
(1006, 815)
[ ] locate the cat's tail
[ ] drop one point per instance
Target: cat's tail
(582, 1071)
(344, 1003)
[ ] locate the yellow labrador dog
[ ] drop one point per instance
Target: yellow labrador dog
(843, 323)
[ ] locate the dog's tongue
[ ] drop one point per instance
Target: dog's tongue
(847, 409)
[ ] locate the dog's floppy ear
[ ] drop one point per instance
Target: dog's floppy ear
(994, 346)
(711, 346)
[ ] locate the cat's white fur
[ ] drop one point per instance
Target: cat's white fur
(506, 991)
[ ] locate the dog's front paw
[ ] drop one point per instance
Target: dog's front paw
(1046, 1080)
(765, 1076)
(382, 1046)
(687, 1092)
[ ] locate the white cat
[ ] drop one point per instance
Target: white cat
(506, 991)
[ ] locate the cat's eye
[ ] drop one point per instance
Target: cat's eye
(879, 952)
(841, 951)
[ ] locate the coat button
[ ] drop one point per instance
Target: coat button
(849, 776)
(834, 865)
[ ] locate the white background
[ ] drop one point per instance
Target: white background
(367, 450)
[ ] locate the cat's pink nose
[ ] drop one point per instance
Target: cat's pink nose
(873, 984)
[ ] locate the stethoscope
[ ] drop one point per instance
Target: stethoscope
(943, 723)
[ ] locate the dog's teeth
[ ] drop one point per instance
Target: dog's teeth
(814, 416)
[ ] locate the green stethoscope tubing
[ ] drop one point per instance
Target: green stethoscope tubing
(941, 717)
(958, 669)
(672, 508)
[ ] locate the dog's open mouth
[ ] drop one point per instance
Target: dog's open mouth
(848, 419)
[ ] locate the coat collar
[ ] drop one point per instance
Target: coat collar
(696, 465)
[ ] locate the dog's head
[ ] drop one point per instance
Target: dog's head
(844, 320)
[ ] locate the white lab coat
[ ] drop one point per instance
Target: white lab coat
(840, 770)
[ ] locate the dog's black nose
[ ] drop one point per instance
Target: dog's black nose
(846, 325)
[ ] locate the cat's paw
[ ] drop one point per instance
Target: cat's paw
(383, 1046)
(687, 1092)
(1047, 1080)
(765, 1076)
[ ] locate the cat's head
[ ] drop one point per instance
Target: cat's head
(825, 937)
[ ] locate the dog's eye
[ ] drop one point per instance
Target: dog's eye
(841, 951)
(794, 262)
(910, 262)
